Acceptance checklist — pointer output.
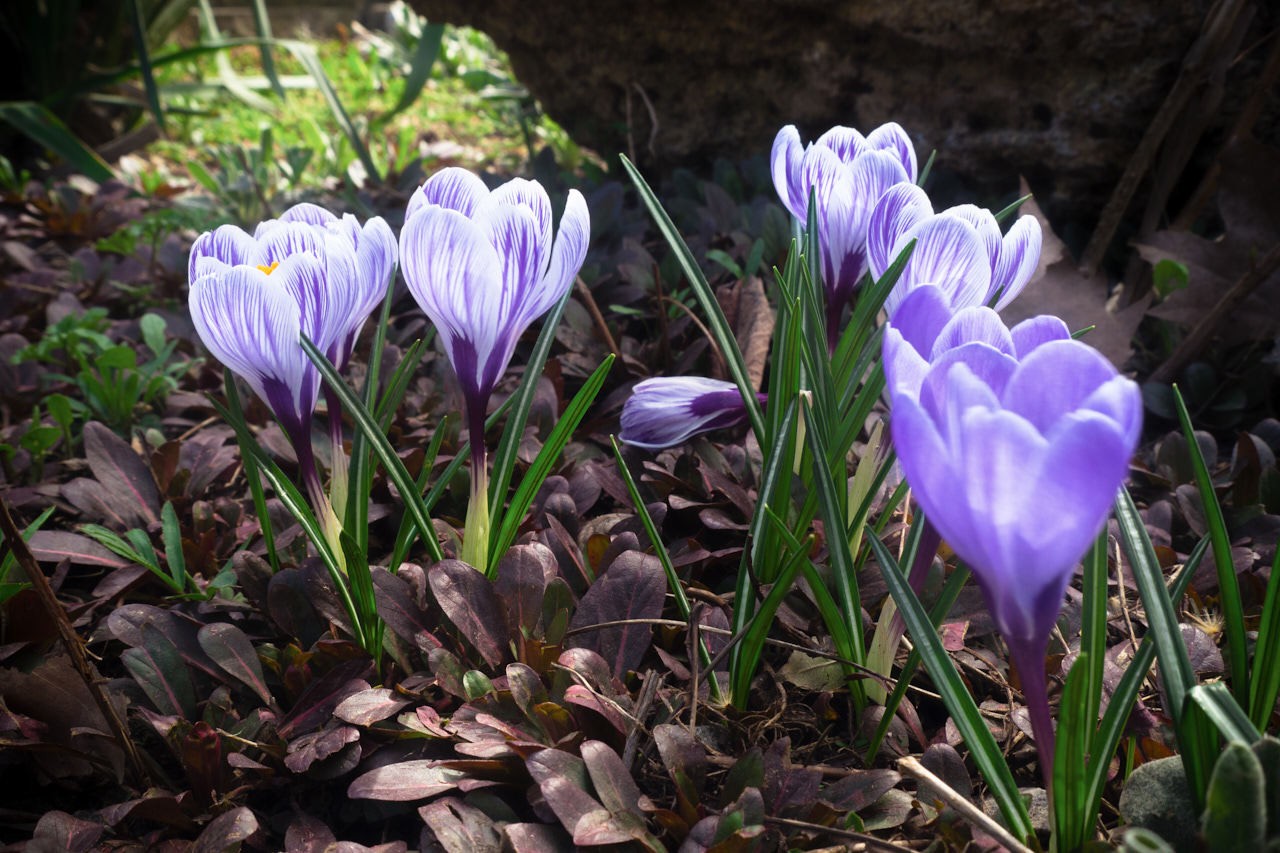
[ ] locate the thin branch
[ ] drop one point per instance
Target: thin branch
(912, 767)
(71, 640)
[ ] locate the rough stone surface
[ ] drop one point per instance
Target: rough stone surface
(1156, 797)
(1059, 92)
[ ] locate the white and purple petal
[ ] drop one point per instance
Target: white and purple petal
(666, 411)
(890, 136)
(1019, 257)
(453, 188)
(227, 244)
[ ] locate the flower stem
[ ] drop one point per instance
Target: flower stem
(319, 500)
(1029, 659)
(338, 487)
(475, 539)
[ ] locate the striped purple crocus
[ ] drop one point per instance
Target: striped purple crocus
(483, 266)
(847, 173)
(669, 410)
(960, 249)
(252, 296)
(1014, 442)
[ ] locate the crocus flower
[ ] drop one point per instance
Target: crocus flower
(960, 249)
(670, 410)
(1014, 443)
(483, 266)
(333, 272)
(847, 173)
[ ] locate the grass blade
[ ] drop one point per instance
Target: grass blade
(835, 517)
(513, 515)
(1264, 686)
(143, 51)
(171, 533)
(251, 471)
(306, 54)
(262, 22)
(982, 746)
(36, 122)
(1195, 741)
(716, 321)
(424, 56)
(660, 549)
(1228, 586)
(1216, 702)
(381, 447)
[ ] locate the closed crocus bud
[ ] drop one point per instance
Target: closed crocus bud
(484, 265)
(1014, 443)
(960, 249)
(670, 410)
(847, 173)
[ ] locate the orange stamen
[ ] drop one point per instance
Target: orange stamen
(269, 269)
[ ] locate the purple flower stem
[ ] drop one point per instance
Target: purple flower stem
(1029, 659)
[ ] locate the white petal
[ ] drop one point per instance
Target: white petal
(785, 165)
(1019, 257)
(567, 255)
(847, 143)
(891, 137)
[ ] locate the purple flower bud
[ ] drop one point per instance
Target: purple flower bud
(960, 249)
(483, 266)
(847, 173)
(669, 410)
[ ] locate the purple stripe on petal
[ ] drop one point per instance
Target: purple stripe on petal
(309, 214)
(847, 143)
(567, 256)
(891, 137)
(455, 276)
(453, 188)
(285, 239)
(514, 234)
(897, 211)
(1019, 257)
(666, 411)
(226, 243)
(984, 223)
(530, 196)
(950, 254)
(251, 324)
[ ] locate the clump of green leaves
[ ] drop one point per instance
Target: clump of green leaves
(114, 385)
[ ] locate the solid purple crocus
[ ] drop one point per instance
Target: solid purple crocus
(847, 173)
(960, 249)
(483, 266)
(670, 410)
(1014, 442)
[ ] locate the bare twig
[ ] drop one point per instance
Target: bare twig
(71, 640)
(1204, 330)
(594, 310)
(912, 767)
(1217, 27)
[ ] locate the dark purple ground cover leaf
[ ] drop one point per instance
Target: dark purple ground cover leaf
(129, 487)
(290, 607)
(468, 599)
(308, 749)
(158, 668)
(685, 760)
(157, 807)
(54, 546)
(369, 706)
(227, 832)
(57, 830)
(230, 648)
(460, 828)
(316, 704)
(399, 607)
(633, 587)
(129, 623)
(859, 789)
(788, 791)
(521, 583)
(405, 781)
(537, 838)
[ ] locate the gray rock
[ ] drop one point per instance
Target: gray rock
(1058, 92)
(1156, 797)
